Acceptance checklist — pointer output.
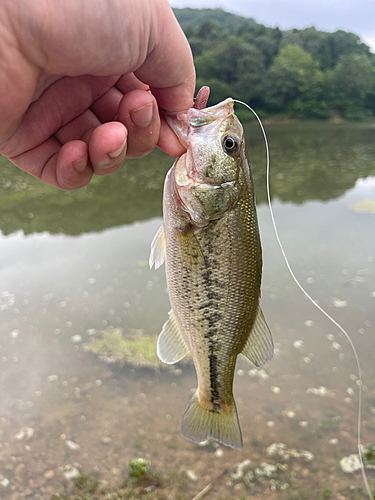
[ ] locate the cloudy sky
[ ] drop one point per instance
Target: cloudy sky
(357, 16)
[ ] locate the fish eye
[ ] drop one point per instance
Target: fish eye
(230, 144)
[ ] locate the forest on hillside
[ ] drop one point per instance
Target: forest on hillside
(303, 73)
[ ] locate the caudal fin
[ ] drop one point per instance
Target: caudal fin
(202, 422)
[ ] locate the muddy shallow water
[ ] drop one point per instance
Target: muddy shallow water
(73, 264)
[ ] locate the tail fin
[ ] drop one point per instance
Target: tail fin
(202, 422)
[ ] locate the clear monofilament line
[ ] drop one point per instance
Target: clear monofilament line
(360, 454)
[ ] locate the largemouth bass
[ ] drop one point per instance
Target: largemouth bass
(211, 247)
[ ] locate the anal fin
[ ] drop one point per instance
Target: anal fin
(259, 346)
(171, 346)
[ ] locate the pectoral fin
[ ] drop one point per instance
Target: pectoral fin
(171, 347)
(157, 255)
(259, 346)
(189, 247)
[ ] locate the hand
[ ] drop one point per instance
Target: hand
(82, 82)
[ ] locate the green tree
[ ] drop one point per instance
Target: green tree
(237, 64)
(353, 78)
(295, 83)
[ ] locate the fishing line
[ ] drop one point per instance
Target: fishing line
(360, 454)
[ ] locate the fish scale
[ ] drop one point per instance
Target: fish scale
(211, 246)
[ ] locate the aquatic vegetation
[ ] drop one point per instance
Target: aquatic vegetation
(364, 207)
(369, 455)
(113, 347)
(87, 482)
(143, 483)
(138, 467)
(274, 473)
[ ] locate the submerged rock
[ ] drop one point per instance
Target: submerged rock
(352, 463)
(235, 476)
(320, 391)
(4, 481)
(285, 453)
(266, 471)
(138, 350)
(191, 475)
(112, 347)
(72, 445)
(71, 474)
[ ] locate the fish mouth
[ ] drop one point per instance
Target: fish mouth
(202, 117)
(182, 121)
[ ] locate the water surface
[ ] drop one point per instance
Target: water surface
(76, 262)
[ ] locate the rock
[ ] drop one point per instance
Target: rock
(27, 493)
(285, 453)
(19, 469)
(20, 435)
(269, 472)
(240, 470)
(76, 339)
(49, 474)
(320, 391)
(72, 445)
(14, 334)
(191, 475)
(4, 481)
(350, 464)
(29, 433)
(298, 344)
(106, 440)
(340, 303)
(71, 474)
(52, 378)
(219, 453)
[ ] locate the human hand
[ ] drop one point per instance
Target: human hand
(82, 82)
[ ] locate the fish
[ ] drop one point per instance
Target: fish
(210, 243)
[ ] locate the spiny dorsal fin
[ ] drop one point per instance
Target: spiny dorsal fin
(171, 347)
(259, 346)
(157, 255)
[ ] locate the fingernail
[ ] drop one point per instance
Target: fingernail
(81, 164)
(118, 152)
(142, 117)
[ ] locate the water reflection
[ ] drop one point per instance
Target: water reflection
(309, 162)
(57, 291)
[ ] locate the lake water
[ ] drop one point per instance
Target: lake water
(72, 263)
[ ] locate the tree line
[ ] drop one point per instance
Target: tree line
(304, 73)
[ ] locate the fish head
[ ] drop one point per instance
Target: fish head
(208, 178)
